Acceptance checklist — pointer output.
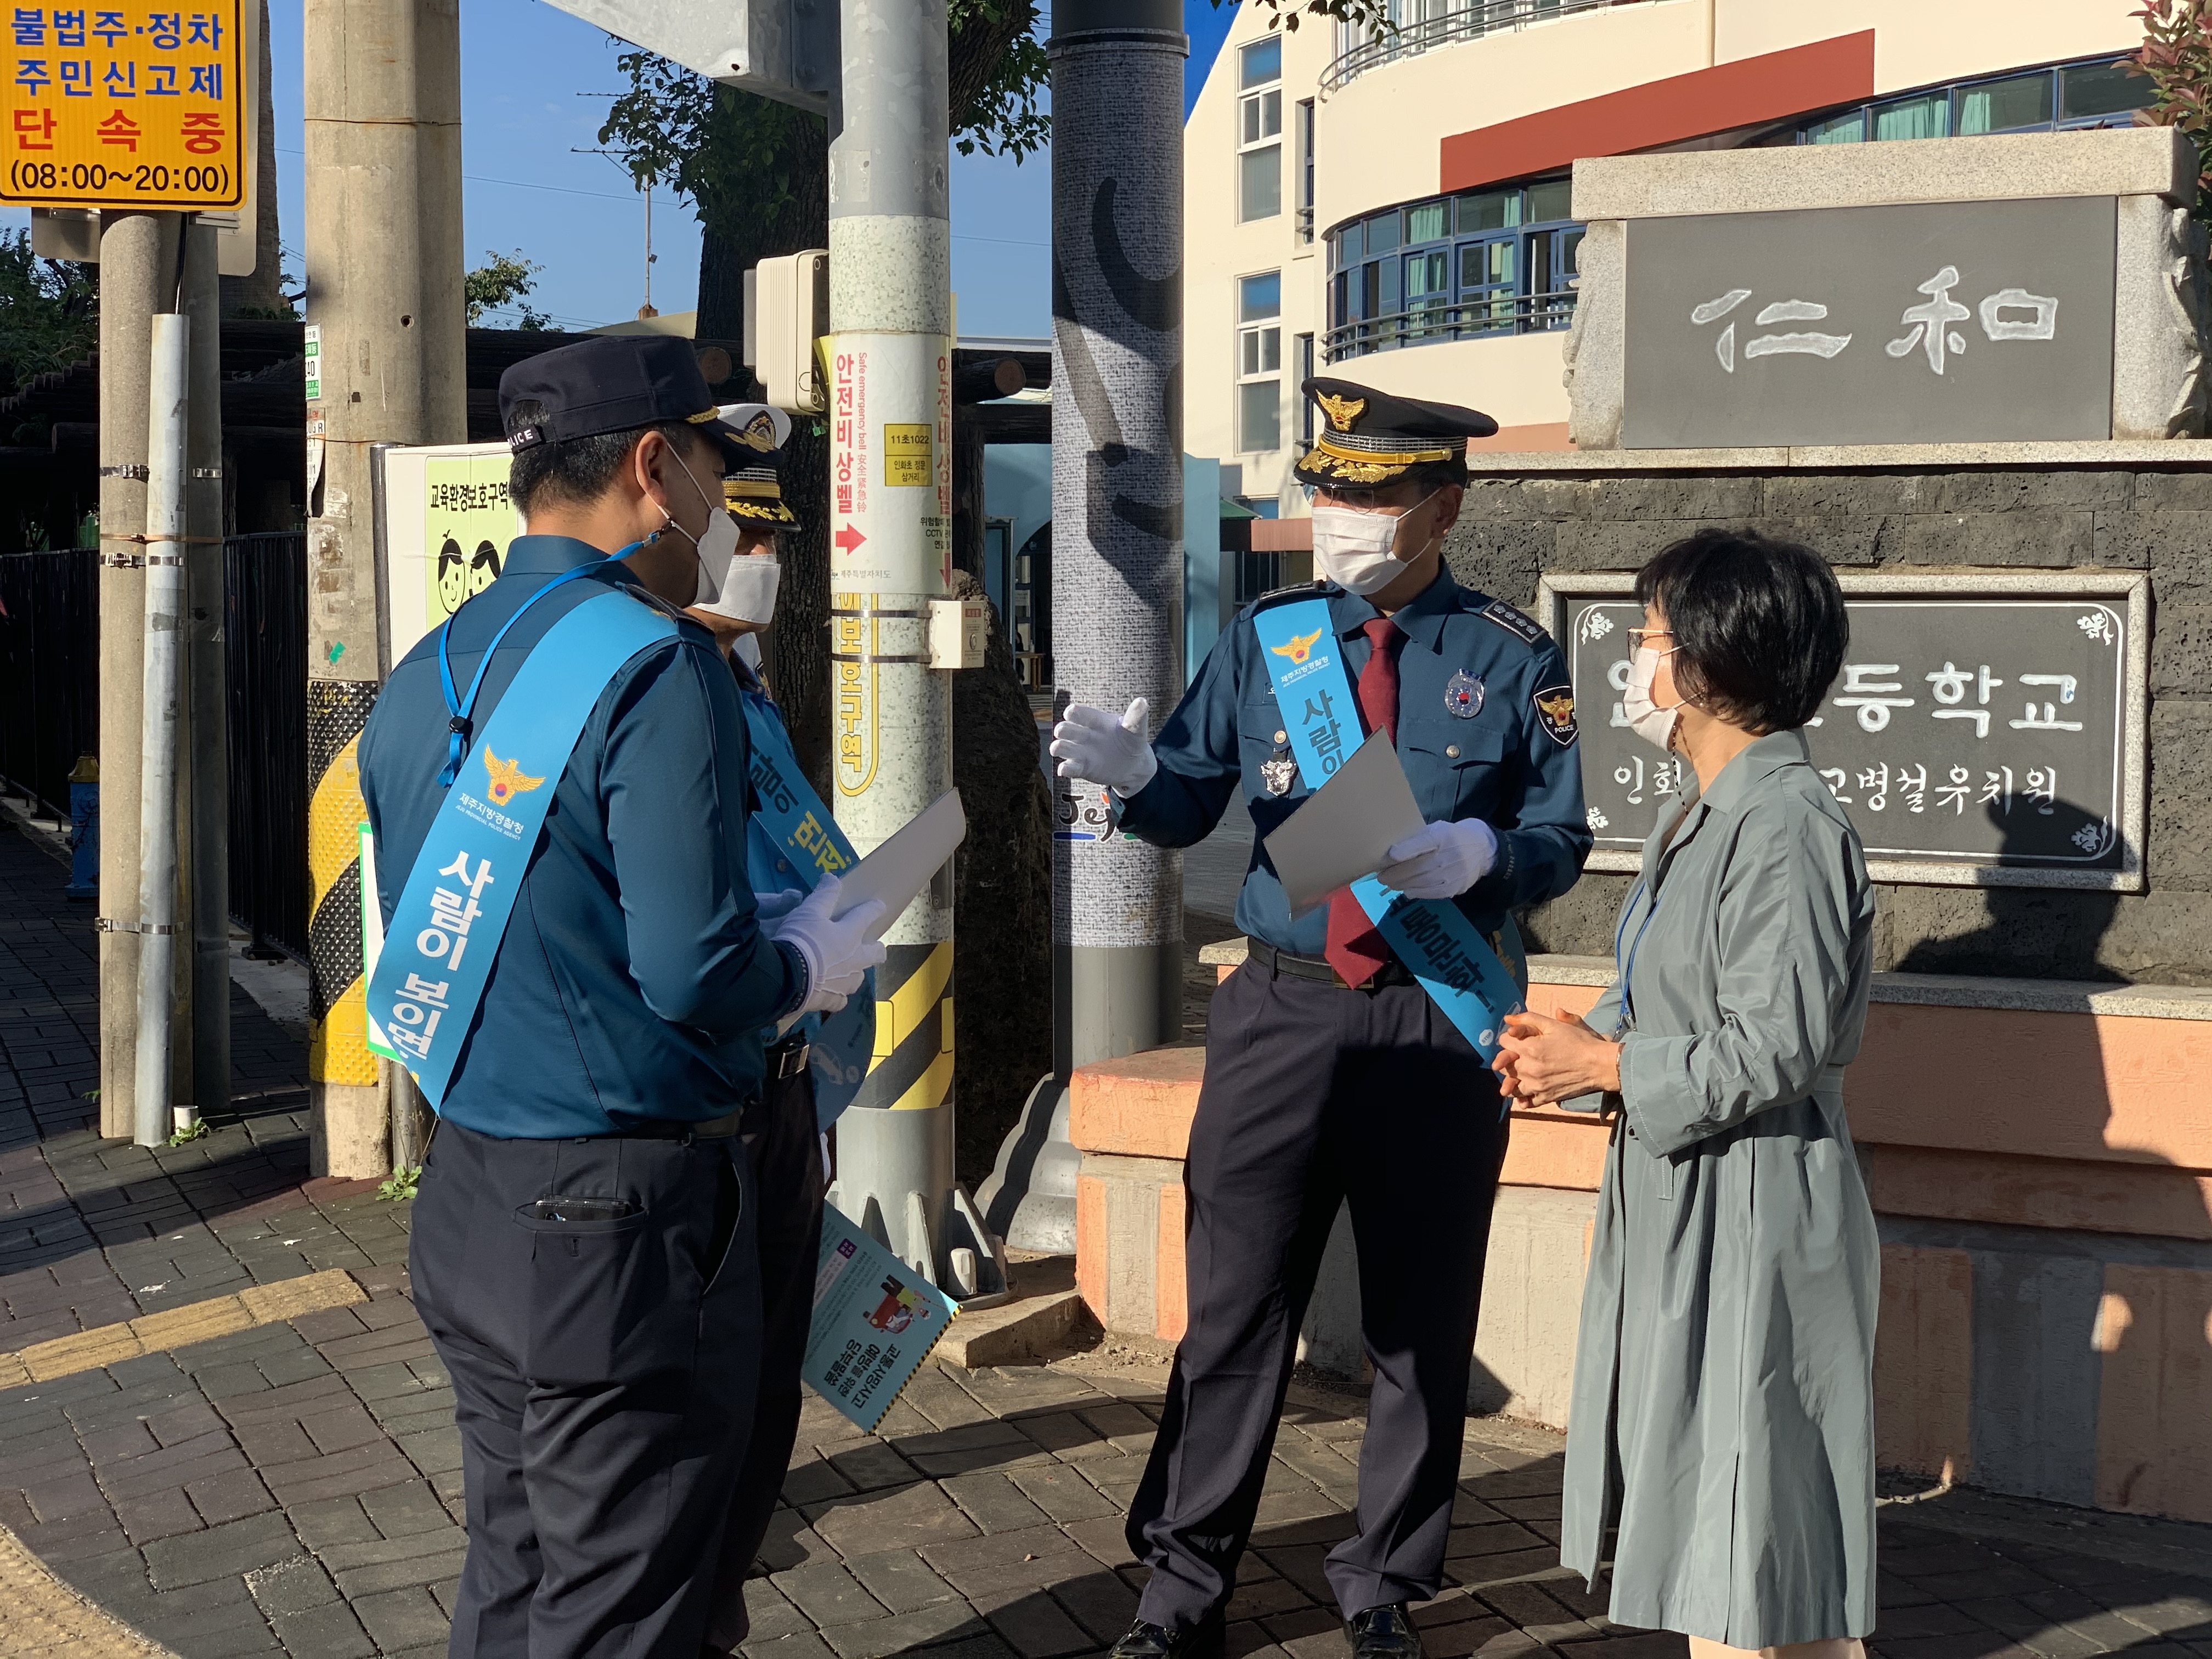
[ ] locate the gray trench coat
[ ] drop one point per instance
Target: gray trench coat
(1722, 1415)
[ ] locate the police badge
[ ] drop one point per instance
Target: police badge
(1280, 770)
(1463, 694)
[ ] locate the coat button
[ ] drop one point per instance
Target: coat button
(1282, 737)
(1451, 752)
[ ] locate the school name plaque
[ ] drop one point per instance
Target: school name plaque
(1984, 730)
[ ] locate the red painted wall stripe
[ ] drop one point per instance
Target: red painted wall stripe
(1771, 86)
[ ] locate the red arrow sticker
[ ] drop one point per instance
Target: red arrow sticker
(847, 538)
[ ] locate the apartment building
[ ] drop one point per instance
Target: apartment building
(1396, 206)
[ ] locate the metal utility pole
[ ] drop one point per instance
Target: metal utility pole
(162, 733)
(890, 414)
(138, 277)
(383, 106)
(1117, 68)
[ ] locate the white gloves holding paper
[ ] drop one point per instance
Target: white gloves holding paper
(1442, 860)
(1090, 744)
(838, 950)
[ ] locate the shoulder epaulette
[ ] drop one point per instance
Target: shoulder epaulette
(1295, 591)
(1516, 622)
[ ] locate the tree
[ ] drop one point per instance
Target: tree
(500, 282)
(2177, 56)
(48, 312)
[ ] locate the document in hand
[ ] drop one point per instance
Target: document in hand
(875, 1322)
(897, 871)
(1347, 828)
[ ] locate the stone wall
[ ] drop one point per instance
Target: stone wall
(1517, 525)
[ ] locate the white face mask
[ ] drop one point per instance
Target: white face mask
(1354, 549)
(1655, 725)
(716, 546)
(746, 588)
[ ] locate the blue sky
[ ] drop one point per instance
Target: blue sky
(533, 86)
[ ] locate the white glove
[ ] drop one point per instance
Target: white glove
(771, 908)
(836, 949)
(1091, 745)
(1441, 861)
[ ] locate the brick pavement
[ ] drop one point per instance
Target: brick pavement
(293, 1487)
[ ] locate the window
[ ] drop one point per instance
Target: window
(1259, 363)
(1484, 262)
(1260, 130)
(2096, 93)
(1305, 135)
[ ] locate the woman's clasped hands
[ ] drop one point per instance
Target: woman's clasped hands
(1542, 1060)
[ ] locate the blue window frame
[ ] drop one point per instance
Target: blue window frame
(1453, 267)
(2058, 97)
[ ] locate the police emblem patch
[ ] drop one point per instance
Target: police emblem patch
(1463, 694)
(1555, 712)
(1278, 773)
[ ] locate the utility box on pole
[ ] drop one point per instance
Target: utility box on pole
(786, 314)
(786, 50)
(384, 267)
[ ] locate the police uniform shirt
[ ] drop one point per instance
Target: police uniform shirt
(1485, 730)
(633, 981)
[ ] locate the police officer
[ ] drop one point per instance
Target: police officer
(1331, 1073)
(783, 1130)
(583, 1247)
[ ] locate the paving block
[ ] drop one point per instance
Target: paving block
(903, 1518)
(829, 1595)
(400, 1619)
(1062, 1493)
(329, 1632)
(900, 1580)
(924, 1627)
(235, 1547)
(994, 1502)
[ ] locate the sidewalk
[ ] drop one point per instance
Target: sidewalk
(230, 1476)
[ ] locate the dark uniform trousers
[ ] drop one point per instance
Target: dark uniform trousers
(602, 1376)
(1315, 1095)
(787, 1154)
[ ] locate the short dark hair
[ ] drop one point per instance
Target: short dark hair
(1760, 625)
(580, 470)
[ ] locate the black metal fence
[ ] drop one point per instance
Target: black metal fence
(265, 630)
(49, 671)
(50, 709)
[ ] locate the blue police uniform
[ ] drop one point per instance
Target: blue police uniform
(1317, 1094)
(582, 1247)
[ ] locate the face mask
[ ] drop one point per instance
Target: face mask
(1353, 548)
(1655, 725)
(715, 548)
(747, 587)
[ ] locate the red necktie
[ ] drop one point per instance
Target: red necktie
(1355, 947)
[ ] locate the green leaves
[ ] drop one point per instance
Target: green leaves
(500, 282)
(48, 312)
(2177, 57)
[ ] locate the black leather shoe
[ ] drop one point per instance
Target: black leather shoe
(1146, 1640)
(1382, 1633)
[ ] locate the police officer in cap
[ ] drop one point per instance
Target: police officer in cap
(814, 1066)
(1331, 1073)
(590, 1020)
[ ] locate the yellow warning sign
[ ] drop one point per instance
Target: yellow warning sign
(906, 453)
(128, 107)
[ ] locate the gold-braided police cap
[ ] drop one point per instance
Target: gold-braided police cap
(1368, 438)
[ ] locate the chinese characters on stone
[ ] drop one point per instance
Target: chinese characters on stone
(2000, 315)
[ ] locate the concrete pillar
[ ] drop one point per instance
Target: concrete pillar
(137, 276)
(383, 269)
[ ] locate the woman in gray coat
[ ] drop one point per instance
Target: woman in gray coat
(1721, 1429)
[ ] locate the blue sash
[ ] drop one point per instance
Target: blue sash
(437, 955)
(1459, 970)
(793, 841)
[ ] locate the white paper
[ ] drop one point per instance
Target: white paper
(897, 872)
(1347, 828)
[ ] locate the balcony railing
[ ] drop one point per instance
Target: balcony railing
(1473, 319)
(1447, 24)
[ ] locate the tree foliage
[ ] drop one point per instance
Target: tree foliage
(501, 283)
(2177, 56)
(48, 312)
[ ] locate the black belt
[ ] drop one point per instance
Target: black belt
(788, 1059)
(665, 1128)
(1286, 964)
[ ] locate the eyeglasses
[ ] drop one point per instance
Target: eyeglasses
(1637, 636)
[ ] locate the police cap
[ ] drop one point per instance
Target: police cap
(613, 383)
(1368, 438)
(754, 487)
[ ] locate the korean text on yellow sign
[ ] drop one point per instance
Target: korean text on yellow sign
(123, 106)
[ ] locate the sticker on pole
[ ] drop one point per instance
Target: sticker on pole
(129, 107)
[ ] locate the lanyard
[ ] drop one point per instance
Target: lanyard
(1626, 968)
(459, 709)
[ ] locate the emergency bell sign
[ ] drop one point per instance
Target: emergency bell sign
(445, 519)
(126, 106)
